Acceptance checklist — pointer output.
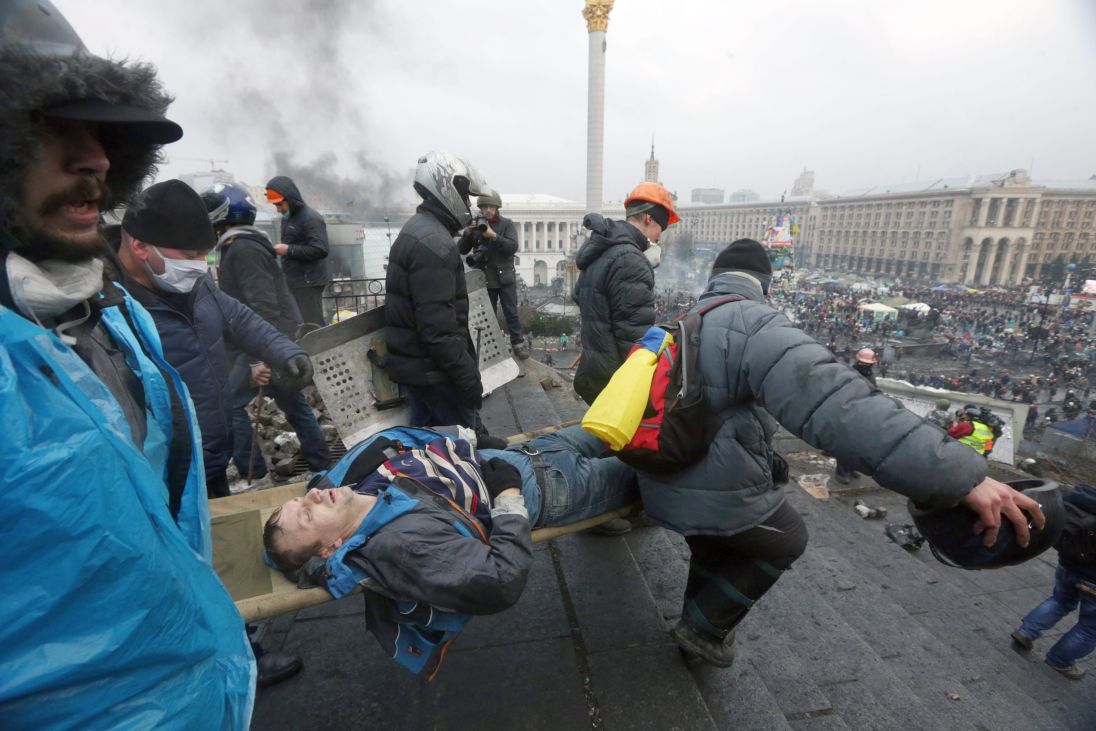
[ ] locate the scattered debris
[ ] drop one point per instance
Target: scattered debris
(906, 536)
(816, 486)
(868, 513)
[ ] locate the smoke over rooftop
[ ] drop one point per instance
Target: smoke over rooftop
(302, 107)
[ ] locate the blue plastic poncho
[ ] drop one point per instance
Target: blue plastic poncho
(112, 615)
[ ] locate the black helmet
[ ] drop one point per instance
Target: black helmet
(949, 534)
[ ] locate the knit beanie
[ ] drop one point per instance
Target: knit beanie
(745, 255)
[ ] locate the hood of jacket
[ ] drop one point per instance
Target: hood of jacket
(607, 233)
(30, 82)
(285, 185)
(740, 283)
(245, 232)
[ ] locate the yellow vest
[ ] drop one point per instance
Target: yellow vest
(981, 439)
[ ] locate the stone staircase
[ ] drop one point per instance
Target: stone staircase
(859, 635)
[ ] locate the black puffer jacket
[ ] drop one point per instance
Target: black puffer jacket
(426, 306)
(615, 293)
(306, 235)
(249, 271)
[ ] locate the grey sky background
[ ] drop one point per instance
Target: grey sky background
(736, 94)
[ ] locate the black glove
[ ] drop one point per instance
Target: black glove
(779, 469)
(473, 399)
(499, 475)
(297, 372)
(486, 441)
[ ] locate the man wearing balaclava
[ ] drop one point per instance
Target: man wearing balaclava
(757, 366)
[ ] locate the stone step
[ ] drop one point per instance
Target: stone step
(954, 606)
(530, 404)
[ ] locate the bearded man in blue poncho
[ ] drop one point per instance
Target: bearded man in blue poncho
(107, 553)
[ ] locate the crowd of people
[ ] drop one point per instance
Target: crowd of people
(126, 372)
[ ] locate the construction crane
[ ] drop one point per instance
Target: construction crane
(212, 162)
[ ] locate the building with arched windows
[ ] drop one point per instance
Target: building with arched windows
(981, 230)
(549, 231)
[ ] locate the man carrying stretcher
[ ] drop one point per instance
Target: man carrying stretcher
(435, 530)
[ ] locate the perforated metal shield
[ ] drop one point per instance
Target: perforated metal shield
(352, 387)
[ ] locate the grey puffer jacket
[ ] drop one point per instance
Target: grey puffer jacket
(615, 293)
(754, 363)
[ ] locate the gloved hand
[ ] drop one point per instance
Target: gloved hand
(499, 475)
(473, 399)
(486, 441)
(297, 372)
(779, 469)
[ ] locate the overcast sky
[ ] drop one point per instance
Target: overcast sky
(736, 94)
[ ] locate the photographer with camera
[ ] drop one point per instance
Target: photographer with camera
(490, 242)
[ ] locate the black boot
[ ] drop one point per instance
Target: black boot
(274, 667)
(717, 651)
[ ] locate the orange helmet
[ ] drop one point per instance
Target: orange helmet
(653, 193)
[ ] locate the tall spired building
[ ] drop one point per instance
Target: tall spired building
(596, 14)
(650, 168)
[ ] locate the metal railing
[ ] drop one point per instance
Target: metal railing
(345, 298)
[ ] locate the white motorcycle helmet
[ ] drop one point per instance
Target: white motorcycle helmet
(450, 180)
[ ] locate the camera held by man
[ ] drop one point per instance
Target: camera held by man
(489, 244)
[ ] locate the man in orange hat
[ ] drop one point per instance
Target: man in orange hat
(863, 363)
(615, 291)
(303, 247)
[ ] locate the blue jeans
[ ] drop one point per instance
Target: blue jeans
(1079, 641)
(438, 405)
(297, 412)
(509, 297)
(578, 483)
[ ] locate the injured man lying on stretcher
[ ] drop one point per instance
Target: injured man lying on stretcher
(435, 531)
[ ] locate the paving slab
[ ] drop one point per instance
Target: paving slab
(533, 686)
(612, 605)
(538, 615)
(647, 688)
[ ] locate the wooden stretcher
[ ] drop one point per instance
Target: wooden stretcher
(361, 401)
(261, 592)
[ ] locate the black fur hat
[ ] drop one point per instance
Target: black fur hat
(36, 76)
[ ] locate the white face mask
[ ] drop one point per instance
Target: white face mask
(180, 275)
(653, 252)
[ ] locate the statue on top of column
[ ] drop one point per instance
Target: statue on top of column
(596, 14)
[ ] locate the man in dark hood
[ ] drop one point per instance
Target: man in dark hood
(615, 290)
(106, 525)
(304, 246)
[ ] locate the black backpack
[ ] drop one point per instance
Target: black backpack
(1078, 539)
(676, 429)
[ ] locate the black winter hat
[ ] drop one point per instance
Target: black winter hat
(172, 215)
(744, 255)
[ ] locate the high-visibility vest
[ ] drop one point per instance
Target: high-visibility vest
(981, 439)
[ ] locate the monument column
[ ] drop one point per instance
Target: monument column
(596, 14)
